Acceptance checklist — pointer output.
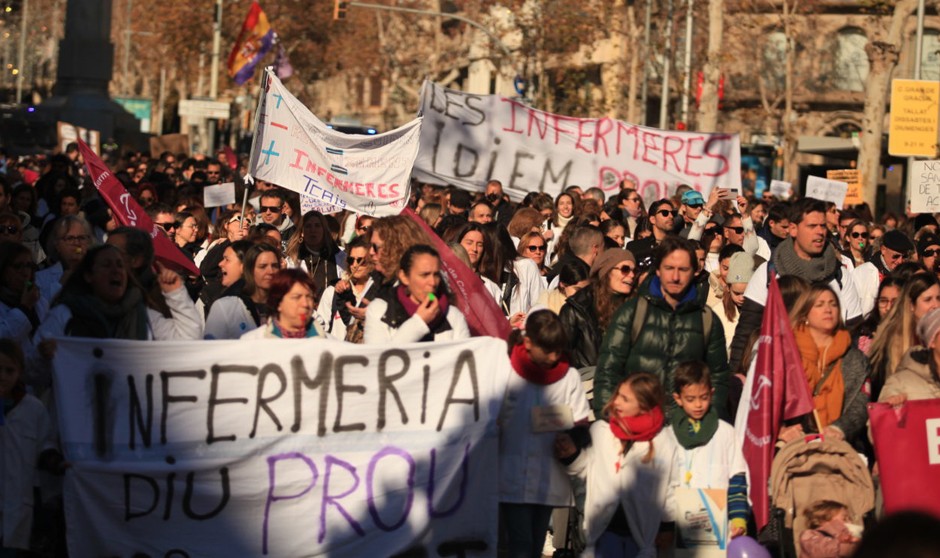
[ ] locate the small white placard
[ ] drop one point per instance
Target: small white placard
(780, 189)
(826, 190)
(925, 187)
(222, 194)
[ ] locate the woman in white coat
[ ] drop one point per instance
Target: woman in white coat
(291, 299)
(418, 309)
(629, 469)
(102, 299)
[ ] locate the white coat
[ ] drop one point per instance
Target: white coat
(186, 323)
(711, 465)
(645, 490)
(528, 471)
(413, 330)
(325, 309)
(27, 432)
(228, 319)
(867, 280)
(49, 280)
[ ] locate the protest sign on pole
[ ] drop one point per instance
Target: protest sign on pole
(280, 447)
(128, 212)
(468, 139)
(853, 181)
(826, 190)
(907, 445)
(924, 186)
(295, 150)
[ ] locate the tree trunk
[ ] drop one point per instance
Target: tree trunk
(883, 57)
(635, 52)
(708, 106)
(613, 75)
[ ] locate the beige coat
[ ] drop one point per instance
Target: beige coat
(913, 377)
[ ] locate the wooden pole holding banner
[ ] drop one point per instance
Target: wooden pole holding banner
(241, 222)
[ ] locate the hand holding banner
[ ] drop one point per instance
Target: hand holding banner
(127, 212)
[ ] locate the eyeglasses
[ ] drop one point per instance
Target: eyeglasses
(737, 230)
(73, 238)
(535, 247)
(356, 261)
(9, 229)
(930, 253)
(146, 199)
(270, 208)
(859, 235)
(696, 205)
(897, 256)
(168, 226)
(667, 212)
(376, 247)
(626, 269)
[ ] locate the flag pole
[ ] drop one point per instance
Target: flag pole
(255, 130)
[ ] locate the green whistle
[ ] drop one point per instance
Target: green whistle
(431, 297)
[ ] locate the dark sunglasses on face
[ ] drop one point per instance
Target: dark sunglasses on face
(695, 205)
(859, 235)
(535, 247)
(357, 261)
(737, 230)
(270, 208)
(930, 253)
(168, 226)
(667, 212)
(626, 269)
(897, 256)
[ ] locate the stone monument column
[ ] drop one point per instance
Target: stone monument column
(86, 54)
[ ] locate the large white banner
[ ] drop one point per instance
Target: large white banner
(295, 150)
(467, 139)
(280, 447)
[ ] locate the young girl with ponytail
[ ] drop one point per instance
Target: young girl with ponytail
(629, 470)
(544, 396)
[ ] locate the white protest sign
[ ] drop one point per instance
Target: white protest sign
(925, 187)
(280, 447)
(826, 190)
(221, 194)
(295, 150)
(701, 522)
(780, 189)
(467, 139)
(309, 203)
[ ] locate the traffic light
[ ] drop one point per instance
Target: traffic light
(339, 9)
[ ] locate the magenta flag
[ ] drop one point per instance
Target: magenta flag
(484, 317)
(780, 392)
(127, 212)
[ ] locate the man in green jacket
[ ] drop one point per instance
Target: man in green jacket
(663, 327)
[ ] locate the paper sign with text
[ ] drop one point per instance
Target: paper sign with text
(467, 139)
(780, 189)
(701, 522)
(914, 118)
(853, 179)
(221, 194)
(925, 186)
(907, 446)
(295, 150)
(826, 190)
(280, 447)
(309, 203)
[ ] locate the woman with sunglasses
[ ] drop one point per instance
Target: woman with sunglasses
(588, 312)
(342, 304)
(533, 246)
(856, 239)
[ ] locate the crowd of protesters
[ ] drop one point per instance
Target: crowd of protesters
(657, 309)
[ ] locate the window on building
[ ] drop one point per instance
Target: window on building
(774, 59)
(851, 62)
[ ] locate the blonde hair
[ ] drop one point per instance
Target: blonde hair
(898, 330)
(649, 393)
(822, 511)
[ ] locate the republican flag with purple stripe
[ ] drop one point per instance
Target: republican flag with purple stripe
(254, 41)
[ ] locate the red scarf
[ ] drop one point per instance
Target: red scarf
(410, 306)
(523, 365)
(641, 428)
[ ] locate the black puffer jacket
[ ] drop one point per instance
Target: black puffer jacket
(668, 338)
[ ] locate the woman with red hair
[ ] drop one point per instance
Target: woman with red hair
(292, 301)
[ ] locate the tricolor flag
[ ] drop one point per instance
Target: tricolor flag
(779, 393)
(254, 41)
(127, 212)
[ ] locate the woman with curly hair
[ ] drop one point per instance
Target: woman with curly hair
(391, 237)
